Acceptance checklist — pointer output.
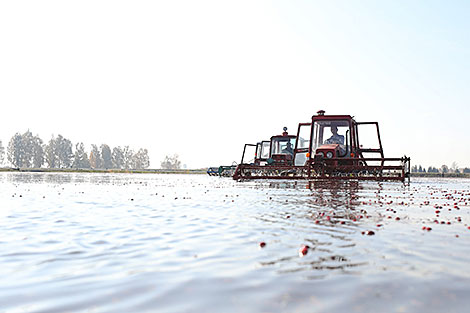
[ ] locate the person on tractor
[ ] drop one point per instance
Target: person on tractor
(288, 149)
(335, 138)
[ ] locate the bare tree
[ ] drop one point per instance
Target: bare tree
(118, 158)
(128, 156)
(27, 149)
(15, 150)
(141, 159)
(38, 152)
(106, 156)
(171, 162)
(50, 154)
(59, 152)
(32, 152)
(95, 157)
(80, 159)
(64, 151)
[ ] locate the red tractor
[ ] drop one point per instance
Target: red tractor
(270, 155)
(278, 151)
(329, 148)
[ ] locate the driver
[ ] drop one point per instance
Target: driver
(288, 149)
(335, 138)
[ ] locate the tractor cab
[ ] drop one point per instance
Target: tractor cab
(261, 153)
(336, 137)
(331, 138)
(277, 151)
(282, 149)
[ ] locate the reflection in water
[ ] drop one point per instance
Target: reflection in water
(67, 178)
(325, 214)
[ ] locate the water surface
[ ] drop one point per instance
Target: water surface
(191, 243)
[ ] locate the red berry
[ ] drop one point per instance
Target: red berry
(303, 250)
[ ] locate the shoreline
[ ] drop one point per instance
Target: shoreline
(437, 175)
(119, 171)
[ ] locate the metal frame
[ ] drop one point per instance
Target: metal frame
(244, 150)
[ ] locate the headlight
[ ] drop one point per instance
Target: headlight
(329, 154)
(321, 154)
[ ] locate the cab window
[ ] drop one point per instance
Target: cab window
(283, 145)
(326, 132)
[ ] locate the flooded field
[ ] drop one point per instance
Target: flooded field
(193, 243)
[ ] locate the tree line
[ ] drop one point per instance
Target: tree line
(29, 151)
(444, 169)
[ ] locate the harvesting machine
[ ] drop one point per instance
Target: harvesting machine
(326, 148)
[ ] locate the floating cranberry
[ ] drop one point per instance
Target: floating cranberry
(303, 250)
(262, 244)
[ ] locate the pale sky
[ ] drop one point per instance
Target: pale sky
(202, 78)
